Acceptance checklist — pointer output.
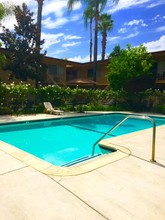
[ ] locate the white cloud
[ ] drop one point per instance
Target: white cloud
(60, 19)
(156, 3)
(131, 35)
(51, 39)
(113, 40)
(57, 7)
(76, 17)
(71, 37)
(53, 24)
(85, 59)
(54, 6)
(71, 44)
(135, 22)
(157, 45)
(126, 4)
(132, 27)
(8, 22)
(122, 30)
(56, 52)
(160, 29)
(158, 18)
(80, 59)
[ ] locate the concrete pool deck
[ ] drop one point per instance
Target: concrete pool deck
(130, 188)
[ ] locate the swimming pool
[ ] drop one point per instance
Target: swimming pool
(68, 141)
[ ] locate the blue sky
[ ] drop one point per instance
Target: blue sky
(135, 22)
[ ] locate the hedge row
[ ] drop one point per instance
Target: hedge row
(23, 99)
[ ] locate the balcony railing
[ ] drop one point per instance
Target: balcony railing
(160, 76)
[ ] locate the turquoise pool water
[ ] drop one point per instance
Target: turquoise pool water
(66, 140)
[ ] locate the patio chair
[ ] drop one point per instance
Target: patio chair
(49, 109)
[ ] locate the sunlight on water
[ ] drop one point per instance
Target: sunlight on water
(64, 140)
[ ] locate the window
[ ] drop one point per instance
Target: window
(72, 74)
(56, 70)
(90, 73)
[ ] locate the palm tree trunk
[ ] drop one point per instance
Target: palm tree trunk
(38, 40)
(104, 45)
(39, 18)
(91, 43)
(95, 45)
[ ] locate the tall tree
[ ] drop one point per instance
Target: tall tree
(105, 25)
(88, 17)
(38, 39)
(98, 6)
(23, 59)
(39, 19)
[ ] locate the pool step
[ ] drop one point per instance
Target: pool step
(80, 160)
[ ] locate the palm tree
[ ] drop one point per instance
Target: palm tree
(38, 38)
(98, 6)
(88, 16)
(39, 19)
(105, 25)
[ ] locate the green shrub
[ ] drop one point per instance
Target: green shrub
(25, 99)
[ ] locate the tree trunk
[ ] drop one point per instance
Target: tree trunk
(104, 44)
(91, 40)
(38, 40)
(95, 45)
(39, 19)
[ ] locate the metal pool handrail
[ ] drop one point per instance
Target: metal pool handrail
(143, 117)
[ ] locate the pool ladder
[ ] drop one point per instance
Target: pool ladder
(143, 117)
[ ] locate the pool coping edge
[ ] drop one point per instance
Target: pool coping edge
(50, 169)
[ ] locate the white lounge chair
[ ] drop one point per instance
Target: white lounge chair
(49, 108)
